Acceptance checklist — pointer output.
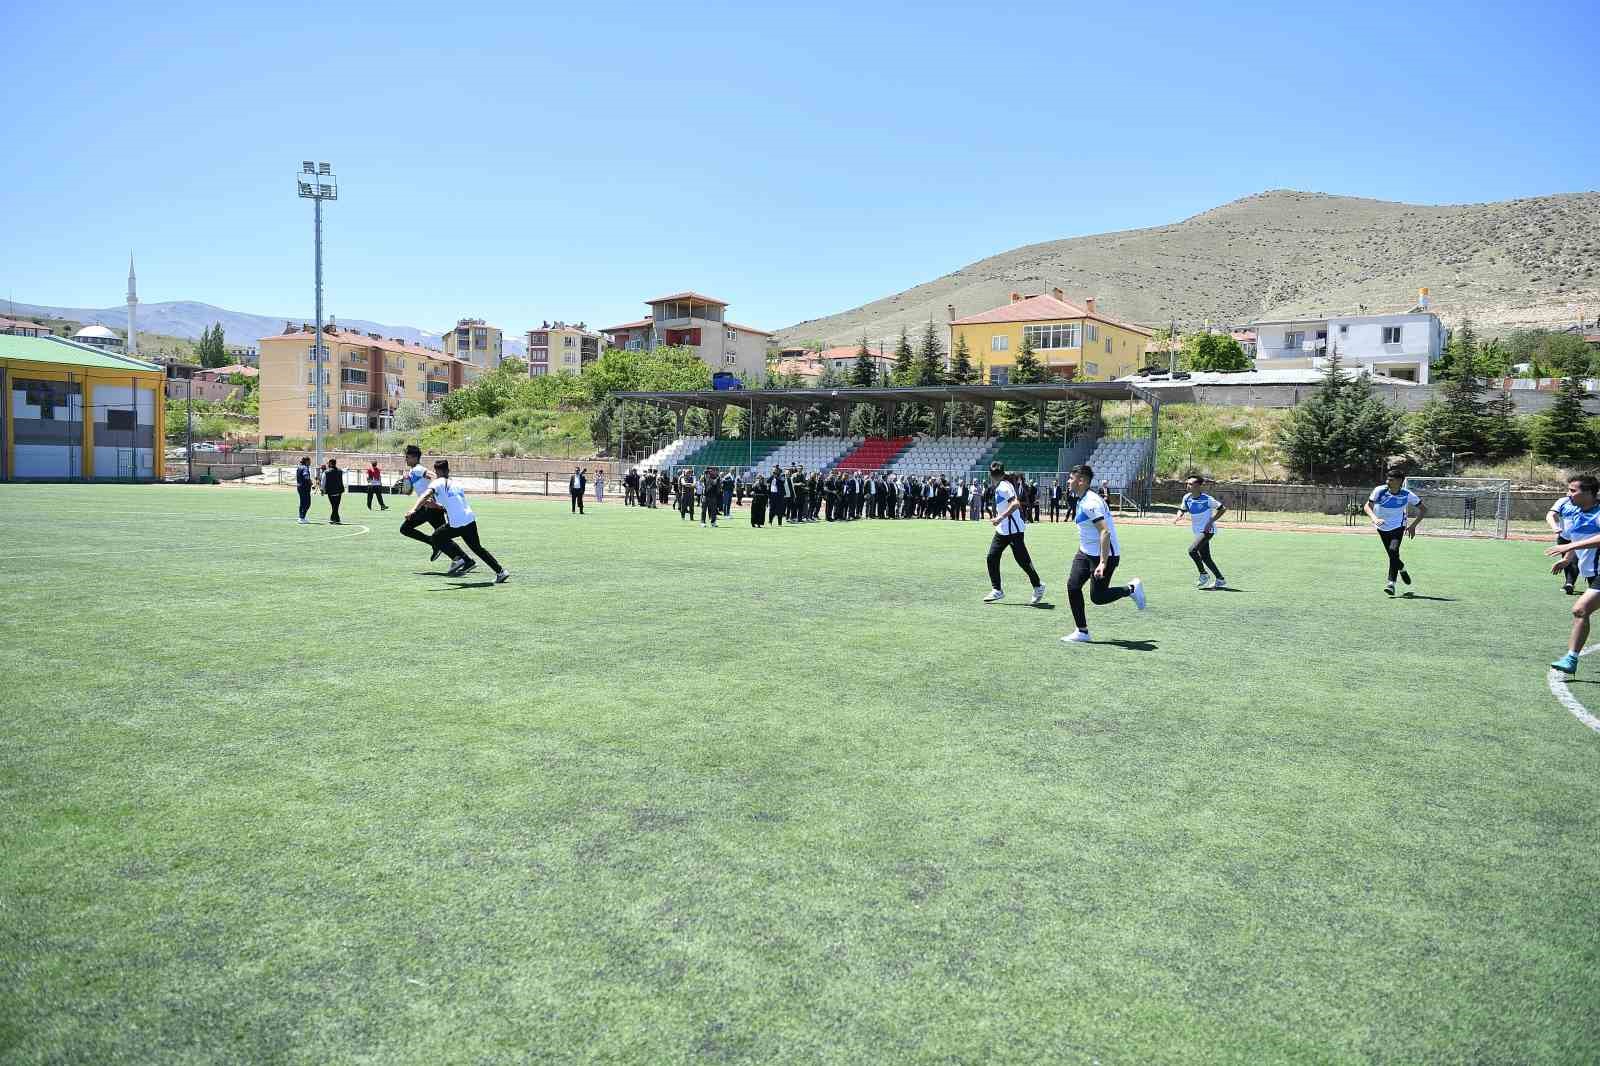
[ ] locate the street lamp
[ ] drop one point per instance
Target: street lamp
(317, 183)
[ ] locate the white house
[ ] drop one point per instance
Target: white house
(1399, 346)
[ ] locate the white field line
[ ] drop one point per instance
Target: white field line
(1564, 696)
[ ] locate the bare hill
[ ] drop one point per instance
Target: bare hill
(1278, 253)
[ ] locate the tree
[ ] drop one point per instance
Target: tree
(1342, 431)
(1460, 356)
(1455, 423)
(1016, 419)
(962, 372)
(865, 372)
(903, 372)
(1563, 434)
(1213, 351)
(929, 368)
(1504, 434)
(212, 351)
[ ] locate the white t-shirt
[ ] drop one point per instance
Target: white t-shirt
(419, 480)
(454, 502)
(1013, 523)
(1090, 508)
(1578, 524)
(1391, 506)
(1202, 510)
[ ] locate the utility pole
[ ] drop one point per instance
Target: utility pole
(190, 412)
(317, 183)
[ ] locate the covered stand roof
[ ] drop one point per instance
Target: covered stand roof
(1092, 391)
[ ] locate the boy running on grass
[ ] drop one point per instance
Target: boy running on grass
(1560, 515)
(1009, 528)
(1583, 532)
(1387, 508)
(1098, 554)
(1202, 511)
(460, 522)
(432, 515)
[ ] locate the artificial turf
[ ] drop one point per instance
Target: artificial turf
(286, 794)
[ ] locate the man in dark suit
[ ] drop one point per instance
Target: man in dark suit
(575, 486)
(333, 487)
(727, 492)
(302, 485)
(778, 495)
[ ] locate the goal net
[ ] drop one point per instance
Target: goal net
(1479, 506)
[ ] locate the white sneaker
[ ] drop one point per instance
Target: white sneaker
(1203, 582)
(1136, 590)
(1220, 583)
(304, 522)
(502, 577)
(1038, 597)
(995, 596)
(1077, 636)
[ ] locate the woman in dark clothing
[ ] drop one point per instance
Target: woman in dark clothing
(758, 503)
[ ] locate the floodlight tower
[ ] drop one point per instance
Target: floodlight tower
(317, 183)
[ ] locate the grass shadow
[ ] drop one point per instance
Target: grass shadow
(1129, 645)
(1226, 588)
(456, 586)
(1435, 599)
(1031, 606)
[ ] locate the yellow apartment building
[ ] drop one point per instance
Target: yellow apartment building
(557, 347)
(366, 377)
(1073, 342)
(476, 342)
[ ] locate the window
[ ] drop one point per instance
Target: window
(999, 342)
(121, 420)
(1294, 339)
(313, 356)
(566, 342)
(999, 375)
(1051, 337)
(314, 373)
(730, 359)
(1108, 345)
(480, 339)
(1322, 335)
(311, 422)
(1091, 332)
(358, 358)
(1091, 368)
(1344, 330)
(353, 377)
(357, 399)
(733, 335)
(1391, 334)
(352, 420)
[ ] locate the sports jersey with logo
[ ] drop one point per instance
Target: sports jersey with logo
(454, 502)
(1005, 494)
(1578, 524)
(1391, 506)
(1202, 510)
(418, 478)
(1090, 509)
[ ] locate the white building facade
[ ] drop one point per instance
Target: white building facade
(1400, 346)
(701, 324)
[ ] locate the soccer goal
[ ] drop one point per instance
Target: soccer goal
(1479, 506)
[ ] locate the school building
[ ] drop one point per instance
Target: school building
(1075, 343)
(79, 413)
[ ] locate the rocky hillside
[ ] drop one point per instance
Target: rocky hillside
(1519, 262)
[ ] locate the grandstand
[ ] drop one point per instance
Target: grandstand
(1124, 461)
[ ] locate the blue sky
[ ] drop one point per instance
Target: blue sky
(523, 162)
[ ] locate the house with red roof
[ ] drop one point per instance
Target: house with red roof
(1075, 342)
(698, 322)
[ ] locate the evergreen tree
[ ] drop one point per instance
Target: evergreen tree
(962, 372)
(903, 372)
(212, 351)
(1016, 419)
(865, 372)
(929, 368)
(1504, 433)
(1563, 434)
(1342, 431)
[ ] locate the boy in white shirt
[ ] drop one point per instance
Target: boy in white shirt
(1099, 551)
(461, 522)
(1009, 527)
(1387, 506)
(1202, 510)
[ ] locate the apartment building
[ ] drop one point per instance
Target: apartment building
(476, 342)
(700, 323)
(1074, 342)
(365, 378)
(557, 346)
(1401, 346)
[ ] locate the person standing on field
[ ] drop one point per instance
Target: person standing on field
(302, 485)
(1582, 524)
(333, 488)
(1009, 528)
(575, 486)
(375, 486)
(1559, 518)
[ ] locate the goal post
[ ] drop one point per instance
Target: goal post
(1479, 506)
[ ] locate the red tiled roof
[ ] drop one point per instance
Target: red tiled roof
(15, 323)
(749, 329)
(800, 367)
(689, 296)
(1044, 308)
(643, 322)
(850, 351)
(227, 371)
(361, 339)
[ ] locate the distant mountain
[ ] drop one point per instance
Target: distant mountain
(1532, 262)
(186, 318)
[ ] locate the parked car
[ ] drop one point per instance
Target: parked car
(206, 446)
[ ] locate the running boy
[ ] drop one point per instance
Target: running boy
(1558, 518)
(1099, 552)
(1009, 527)
(1202, 511)
(1387, 508)
(460, 522)
(1582, 523)
(432, 514)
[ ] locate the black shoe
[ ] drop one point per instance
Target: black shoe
(435, 555)
(1567, 588)
(1405, 577)
(467, 567)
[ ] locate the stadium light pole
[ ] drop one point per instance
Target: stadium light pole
(317, 183)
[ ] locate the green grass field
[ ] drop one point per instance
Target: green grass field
(285, 794)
